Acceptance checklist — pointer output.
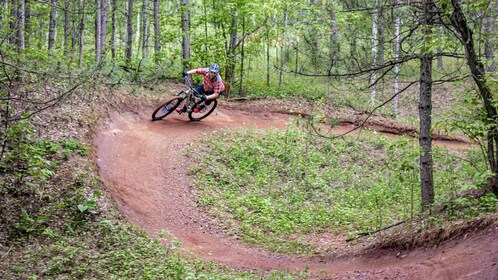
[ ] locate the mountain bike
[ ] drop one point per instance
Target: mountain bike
(191, 102)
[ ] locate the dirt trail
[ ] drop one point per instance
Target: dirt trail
(144, 167)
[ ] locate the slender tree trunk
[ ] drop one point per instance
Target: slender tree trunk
(129, 32)
(206, 36)
(186, 33)
(373, 75)
(20, 31)
(477, 69)
(66, 26)
(13, 22)
(145, 35)
(313, 34)
(267, 58)
(113, 30)
(51, 28)
(380, 35)
(282, 50)
(242, 57)
(425, 110)
(103, 28)
(81, 31)
(2, 10)
(27, 22)
(98, 29)
(230, 67)
(397, 51)
(490, 35)
(157, 31)
(334, 42)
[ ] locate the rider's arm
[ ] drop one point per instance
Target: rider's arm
(196, 71)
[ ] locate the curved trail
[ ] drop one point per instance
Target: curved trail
(144, 167)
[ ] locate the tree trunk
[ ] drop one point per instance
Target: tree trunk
(13, 22)
(51, 28)
(66, 26)
(490, 35)
(81, 31)
(129, 32)
(157, 31)
(461, 26)
(98, 29)
(21, 26)
(334, 42)
(27, 22)
(242, 57)
(397, 51)
(230, 67)
(425, 109)
(267, 57)
(373, 75)
(103, 28)
(282, 50)
(113, 30)
(2, 10)
(145, 35)
(186, 34)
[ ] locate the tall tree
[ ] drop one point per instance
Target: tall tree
(129, 32)
(282, 51)
(21, 25)
(98, 30)
(157, 30)
(231, 51)
(81, 31)
(397, 53)
(52, 24)
(373, 77)
(145, 29)
(465, 35)
(66, 25)
(425, 107)
(113, 29)
(490, 35)
(186, 34)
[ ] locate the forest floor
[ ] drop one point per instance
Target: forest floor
(144, 165)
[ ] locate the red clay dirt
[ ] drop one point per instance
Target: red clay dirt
(144, 166)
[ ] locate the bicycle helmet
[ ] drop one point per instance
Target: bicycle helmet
(214, 68)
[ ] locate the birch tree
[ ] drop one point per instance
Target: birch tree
(397, 50)
(373, 77)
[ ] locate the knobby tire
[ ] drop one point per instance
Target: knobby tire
(166, 108)
(204, 113)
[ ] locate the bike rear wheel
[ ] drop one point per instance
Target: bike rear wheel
(166, 108)
(205, 111)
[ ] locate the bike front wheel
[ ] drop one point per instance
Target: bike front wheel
(166, 108)
(205, 109)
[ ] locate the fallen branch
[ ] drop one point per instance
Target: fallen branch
(373, 232)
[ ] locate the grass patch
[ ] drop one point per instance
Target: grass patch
(275, 188)
(114, 250)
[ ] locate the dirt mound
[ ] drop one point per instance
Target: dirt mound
(144, 167)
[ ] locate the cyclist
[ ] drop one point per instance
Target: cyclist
(210, 89)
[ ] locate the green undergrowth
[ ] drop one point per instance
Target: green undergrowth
(276, 188)
(115, 250)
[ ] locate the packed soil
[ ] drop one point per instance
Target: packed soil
(144, 165)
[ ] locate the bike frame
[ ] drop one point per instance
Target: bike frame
(189, 94)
